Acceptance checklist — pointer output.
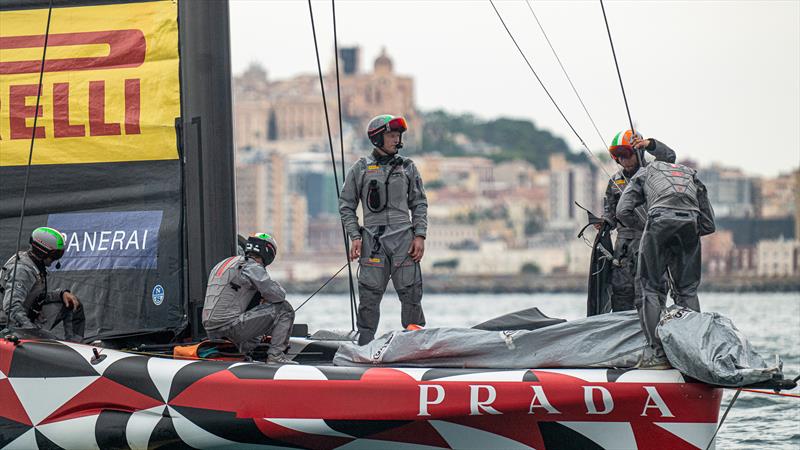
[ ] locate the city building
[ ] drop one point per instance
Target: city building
(730, 192)
(717, 251)
(445, 236)
(470, 173)
(778, 258)
(494, 257)
(265, 201)
(571, 183)
(266, 111)
(778, 195)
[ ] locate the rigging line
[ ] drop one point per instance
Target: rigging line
(575, 90)
(10, 324)
(338, 85)
(563, 69)
(341, 147)
(730, 405)
(320, 288)
(758, 391)
(330, 140)
(586, 147)
(619, 75)
(536, 75)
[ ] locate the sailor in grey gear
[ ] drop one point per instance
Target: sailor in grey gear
(678, 213)
(28, 303)
(627, 149)
(232, 284)
(392, 241)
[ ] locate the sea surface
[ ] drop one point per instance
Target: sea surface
(771, 321)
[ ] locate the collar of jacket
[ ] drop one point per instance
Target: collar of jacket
(38, 263)
(384, 159)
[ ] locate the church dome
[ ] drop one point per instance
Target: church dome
(383, 63)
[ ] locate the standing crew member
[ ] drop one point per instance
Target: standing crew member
(236, 281)
(392, 241)
(29, 304)
(627, 148)
(678, 213)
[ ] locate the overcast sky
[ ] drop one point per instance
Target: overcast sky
(717, 81)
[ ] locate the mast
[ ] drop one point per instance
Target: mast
(206, 136)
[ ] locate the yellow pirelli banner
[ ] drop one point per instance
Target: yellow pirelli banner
(110, 90)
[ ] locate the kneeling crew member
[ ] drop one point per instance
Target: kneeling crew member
(678, 213)
(392, 241)
(232, 285)
(28, 304)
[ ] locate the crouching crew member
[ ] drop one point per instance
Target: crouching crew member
(28, 303)
(232, 285)
(392, 241)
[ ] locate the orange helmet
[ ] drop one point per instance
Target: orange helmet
(621, 144)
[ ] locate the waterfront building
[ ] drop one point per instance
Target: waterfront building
(570, 183)
(778, 195)
(778, 257)
(730, 192)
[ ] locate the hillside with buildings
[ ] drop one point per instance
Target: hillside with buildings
(502, 192)
(501, 139)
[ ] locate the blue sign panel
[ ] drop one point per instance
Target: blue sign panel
(108, 240)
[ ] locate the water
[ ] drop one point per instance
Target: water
(771, 322)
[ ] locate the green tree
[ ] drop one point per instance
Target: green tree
(530, 269)
(516, 138)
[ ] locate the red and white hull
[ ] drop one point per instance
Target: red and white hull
(59, 393)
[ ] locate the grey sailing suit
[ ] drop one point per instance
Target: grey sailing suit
(232, 285)
(678, 213)
(386, 236)
(624, 291)
(31, 305)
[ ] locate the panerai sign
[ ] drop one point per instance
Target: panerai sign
(108, 240)
(598, 400)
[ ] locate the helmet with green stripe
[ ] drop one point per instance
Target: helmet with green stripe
(262, 245)
(47, 242)
(621, 144)
(383, 123)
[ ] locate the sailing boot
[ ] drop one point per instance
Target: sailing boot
(280, 359)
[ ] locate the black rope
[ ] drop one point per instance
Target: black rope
(338, 85)
(725, 415)
(341, 147)
(586, 147)
(330, 143)
(597, 160)
(10, 324)
(563, 69)
(321, 287)
(619, 75)
(537, 75)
